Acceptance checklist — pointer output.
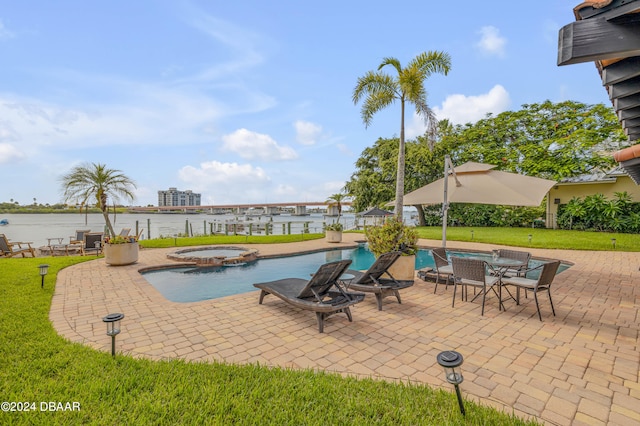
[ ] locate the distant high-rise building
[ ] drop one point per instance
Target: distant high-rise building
(175, 198)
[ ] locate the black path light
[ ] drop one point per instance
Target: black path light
(44, 269)
(613, 243)
(451, 362)
(113, 328)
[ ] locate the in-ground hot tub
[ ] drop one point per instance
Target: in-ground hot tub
(215, 255)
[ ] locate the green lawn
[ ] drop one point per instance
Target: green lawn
(40, 366)
(540, 238)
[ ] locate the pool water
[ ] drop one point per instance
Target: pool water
(192, 284)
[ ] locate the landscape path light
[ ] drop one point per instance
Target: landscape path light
(613, 243)
(44, 269)
(113, 328)
(451, 362)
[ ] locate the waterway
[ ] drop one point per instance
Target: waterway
(39, 228)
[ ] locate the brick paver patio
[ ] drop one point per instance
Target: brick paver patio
(580, 367)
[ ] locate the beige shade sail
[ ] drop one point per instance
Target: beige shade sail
(478, 183)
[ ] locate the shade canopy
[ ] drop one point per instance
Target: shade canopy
(376, 212)
(478, 183)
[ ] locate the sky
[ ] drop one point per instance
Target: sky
(251, 101)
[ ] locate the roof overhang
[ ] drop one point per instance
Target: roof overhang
(608, 33)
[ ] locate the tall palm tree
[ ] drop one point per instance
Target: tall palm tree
(96, 181)
(381, 90)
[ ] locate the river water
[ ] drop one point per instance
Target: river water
(39, 228)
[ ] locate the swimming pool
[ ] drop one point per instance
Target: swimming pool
(192, 284)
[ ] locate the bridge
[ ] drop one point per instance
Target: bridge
(268, 208)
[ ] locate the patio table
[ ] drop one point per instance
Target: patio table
(501, 265)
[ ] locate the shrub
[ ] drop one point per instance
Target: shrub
(393, 235)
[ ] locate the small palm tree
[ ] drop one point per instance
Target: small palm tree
(96, 181)
(337, 200)
(382, 90)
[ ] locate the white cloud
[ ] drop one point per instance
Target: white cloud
(217, 173)
(343, 148)
(146, 115)
(221, 182)
(251, 145)
(307, 133)
(5, 34)
(491, 43)
(461, 109)
(284, 192)
(9, 153)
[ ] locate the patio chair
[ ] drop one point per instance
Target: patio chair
(473, 272)
(124, 232)
(321, 294)
(372, 280)
(542, 283)
(14, 248)
(79, 237)
(523, 256)
(442, 266)
(89, 243)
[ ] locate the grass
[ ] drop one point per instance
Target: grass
(540, 238)
(38, 365)
(227, 239)
(516, 237)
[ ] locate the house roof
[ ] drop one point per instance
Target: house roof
(608, 33)
(599, 177)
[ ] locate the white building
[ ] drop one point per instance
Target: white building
(175, 198)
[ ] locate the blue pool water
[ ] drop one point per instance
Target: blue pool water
(191, 284)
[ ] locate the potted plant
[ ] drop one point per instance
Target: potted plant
(394, 235)
(95, 181)
(333, 232)
(120, 251)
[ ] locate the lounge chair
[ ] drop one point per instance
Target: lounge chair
(124, 232)
(543, 283)
(378, 280)
(315, 294)
(14, 248)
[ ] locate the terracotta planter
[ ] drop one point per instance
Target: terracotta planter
(121, 254)
(333, 236)
(404, 268)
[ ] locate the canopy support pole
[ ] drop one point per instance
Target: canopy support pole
(448, 169)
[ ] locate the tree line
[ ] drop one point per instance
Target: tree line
(548, 140)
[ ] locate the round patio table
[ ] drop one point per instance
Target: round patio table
(501, 265)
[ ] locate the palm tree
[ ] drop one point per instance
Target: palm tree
(381, 90)
(97, 181)
(336, 200)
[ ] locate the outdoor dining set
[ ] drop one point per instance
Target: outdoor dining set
(506, 270)
(335, 289)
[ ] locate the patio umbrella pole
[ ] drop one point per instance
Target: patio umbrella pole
(448, 168)
(445, 204)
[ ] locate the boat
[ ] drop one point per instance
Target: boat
(4, 222)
